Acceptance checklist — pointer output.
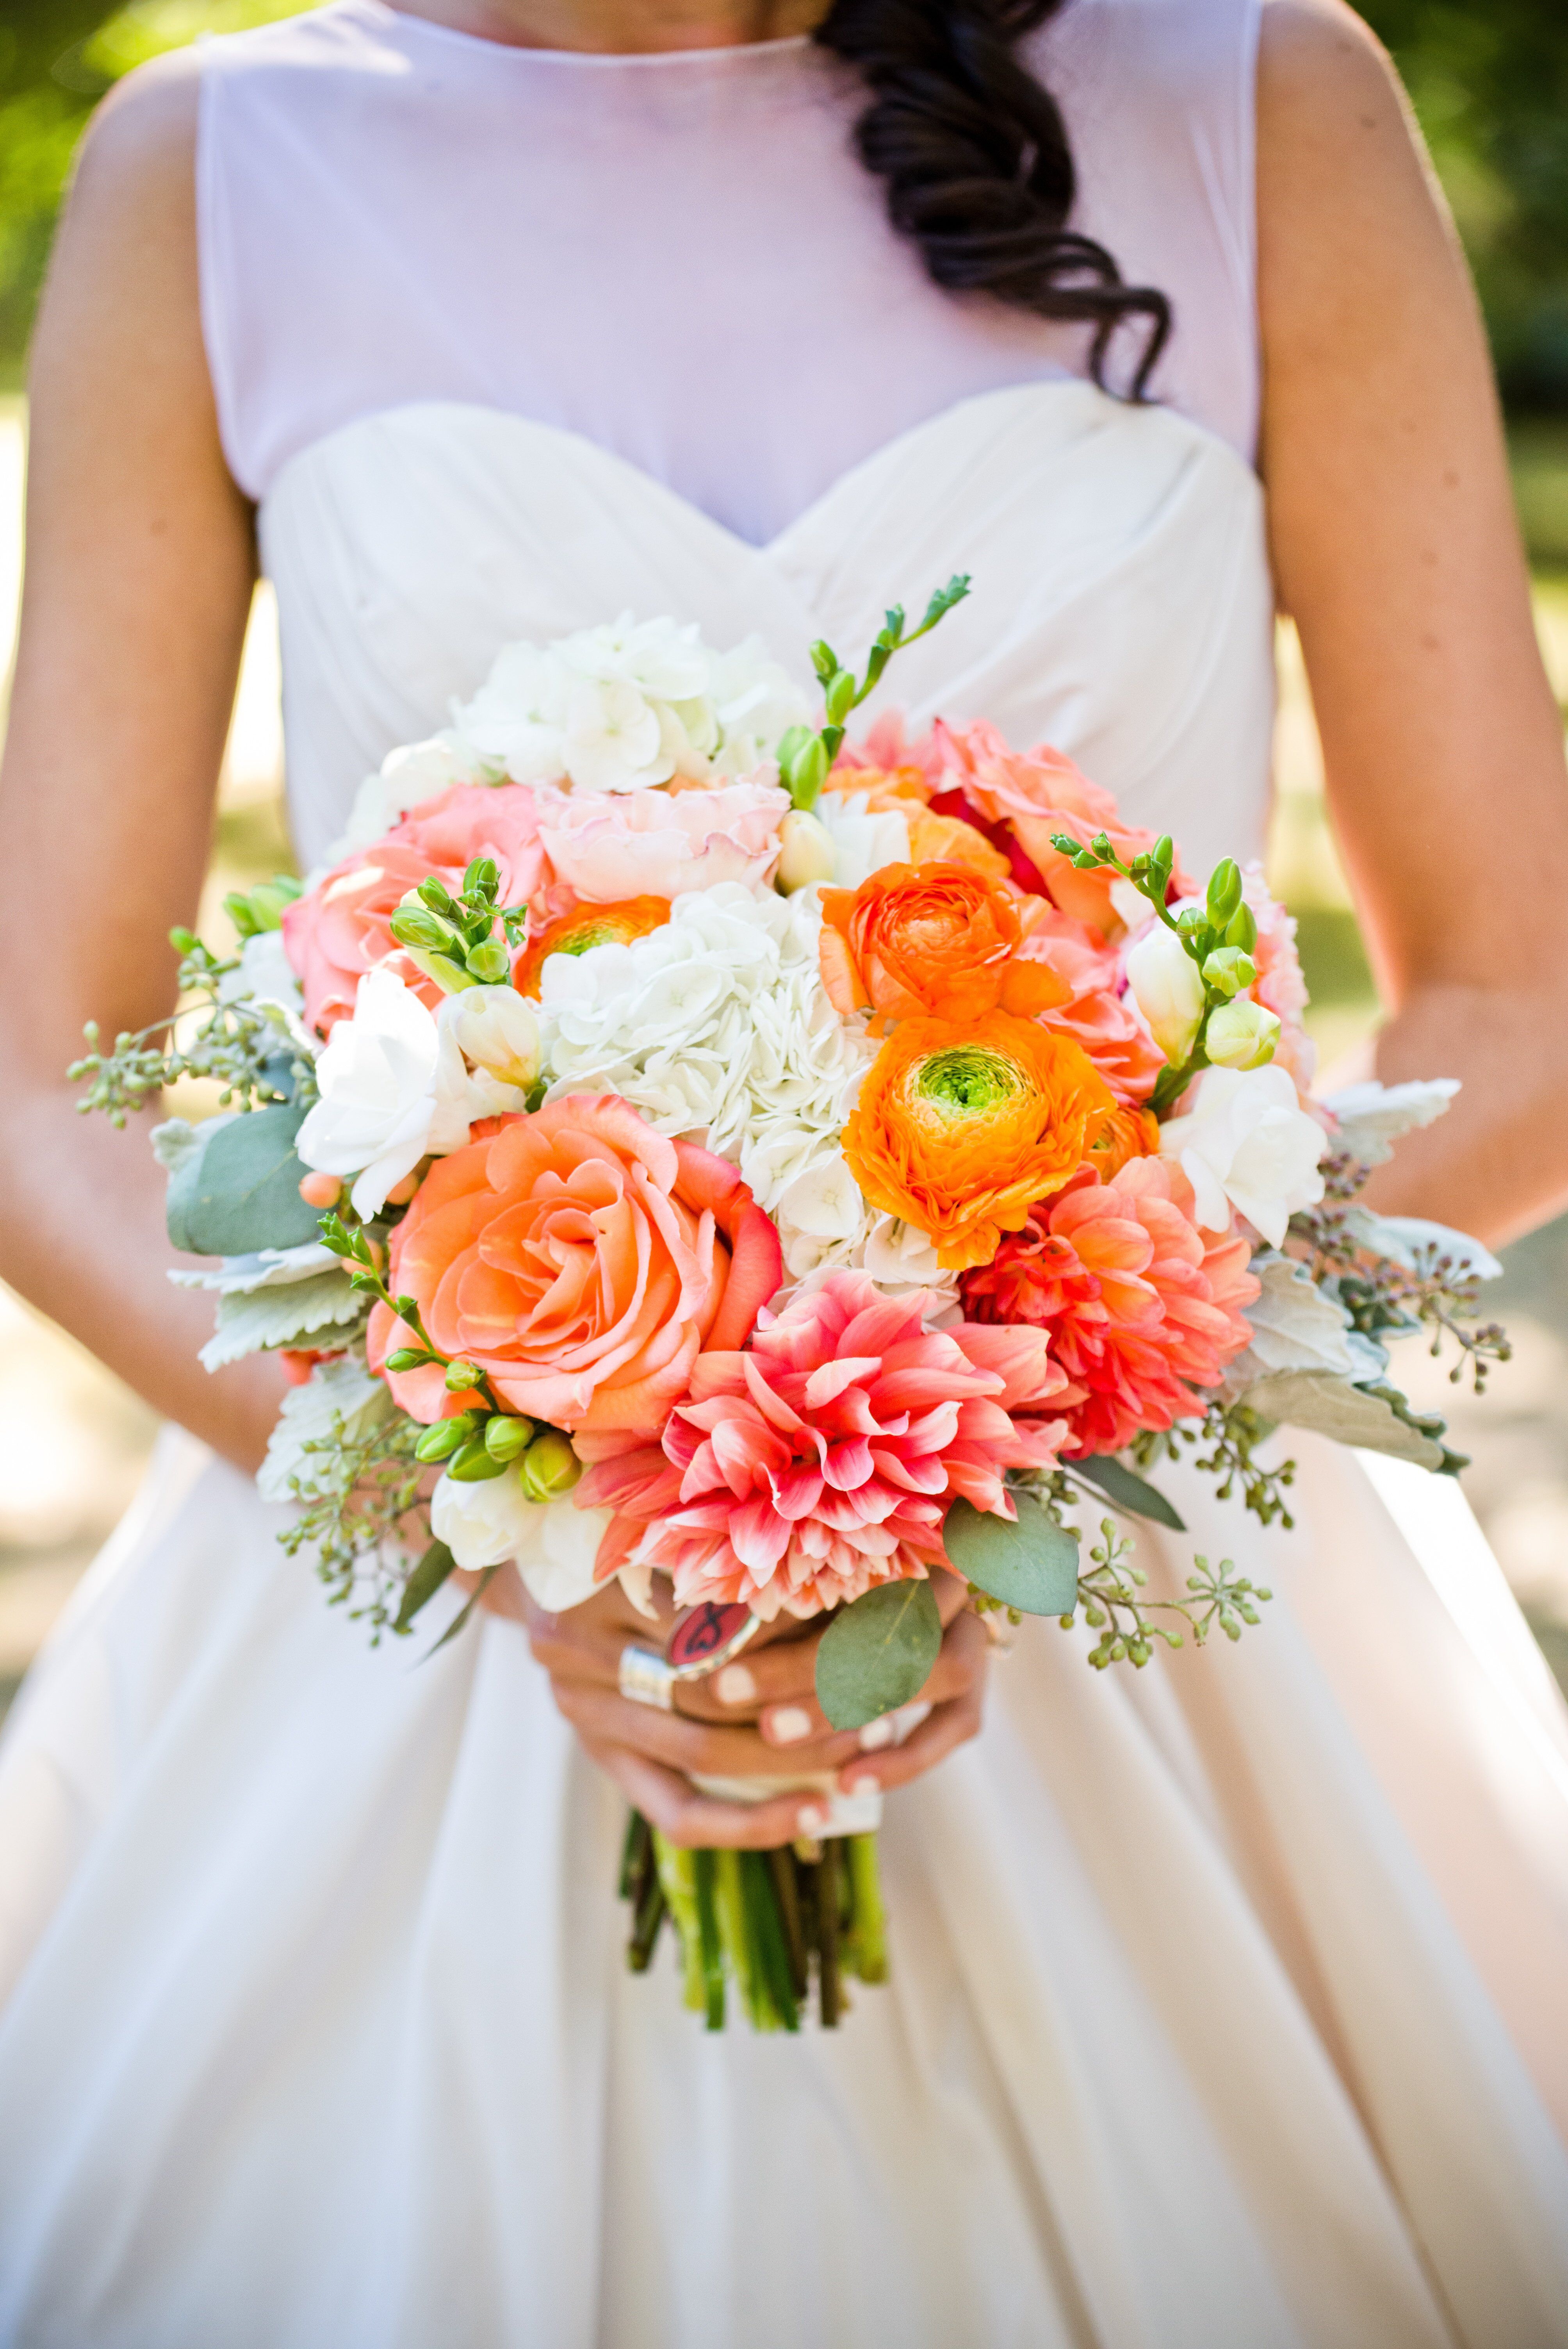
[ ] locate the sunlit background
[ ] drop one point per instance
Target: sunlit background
(1491, 85)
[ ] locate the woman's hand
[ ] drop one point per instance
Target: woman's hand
(757, 1717)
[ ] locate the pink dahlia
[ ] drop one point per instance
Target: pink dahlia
(824, 1459)
(1141, 1307)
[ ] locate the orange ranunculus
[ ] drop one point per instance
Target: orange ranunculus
(930, 937)
(1128, 1133)
(588, 924)
(583, 1261)
(960, 1128)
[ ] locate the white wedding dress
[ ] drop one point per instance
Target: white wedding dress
(1227, 2008)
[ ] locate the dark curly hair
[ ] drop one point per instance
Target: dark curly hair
(978, 169)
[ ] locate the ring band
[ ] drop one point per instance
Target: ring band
(645, 1678)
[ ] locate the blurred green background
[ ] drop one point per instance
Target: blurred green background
(1489, 79)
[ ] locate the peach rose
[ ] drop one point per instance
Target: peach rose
(339, 931)
(613, 845)
(929, 937)
(1093, 1012)
(583, 1262)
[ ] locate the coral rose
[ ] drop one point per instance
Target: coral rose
(1093, 1012)
(339, 931)
(825, 1459)
(929, 937)
(1140, 1305)
(583, 927)
(960, 1128)
(609, 847)
(582, 1262)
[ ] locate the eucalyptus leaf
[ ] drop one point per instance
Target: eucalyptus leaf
(424, 1582)
(1367, 1417)
(878, 1653)
(1031, 1565)
(243, 1192)
(1132, 1494)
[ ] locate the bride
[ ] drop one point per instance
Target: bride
(1227, 2005)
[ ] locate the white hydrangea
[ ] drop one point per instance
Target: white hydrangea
(409, 776)
(628, 706)
(718, 1029)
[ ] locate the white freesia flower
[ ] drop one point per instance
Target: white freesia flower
(409, 776)
(497, 1031)
(862, 843)
(629, 705)
(1168, 990)
(1241, 1035)
(1245, 1143)
(806, 851)
(492, 1522)
(393, 1088)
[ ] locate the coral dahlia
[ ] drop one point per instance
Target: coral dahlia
(1140, 1305)
(824, 1459)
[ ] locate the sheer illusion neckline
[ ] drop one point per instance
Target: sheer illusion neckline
(731, 57)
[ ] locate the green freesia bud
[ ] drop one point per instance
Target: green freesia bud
(461, 1376)
(434, 893)
(438, 1443)
(1163, 852)
(407, 1358)
(1228, 971)
(550, 1467)
(413, 926)
(183, 941)
(1241, 1035)
(1193, 922)
(1224, 891)
(450, 976)
(806, 851)
(474, 1462)
(482, 878)
(490, 964)
(803, 764)
(1242, 929)
(505, 1437)
(841, 697)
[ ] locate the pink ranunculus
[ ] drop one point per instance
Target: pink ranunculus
(612, 845)
(1139, 1305)
(1094, 1014)
(824, 1459)
(340, 929)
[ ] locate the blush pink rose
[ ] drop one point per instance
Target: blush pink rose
(340, 929)
(612, 845)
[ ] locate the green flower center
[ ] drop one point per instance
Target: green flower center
(967, 1081)
(592, 933)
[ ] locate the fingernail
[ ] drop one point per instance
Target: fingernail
(811, 1821)
(867, 1782)
(907, 1720)
(786, 1724)
(878, 1733)
(736, 1685)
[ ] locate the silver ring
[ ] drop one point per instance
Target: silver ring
(645, 1679)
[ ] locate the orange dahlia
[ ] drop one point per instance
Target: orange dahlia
(960, 1128)
(587, 925)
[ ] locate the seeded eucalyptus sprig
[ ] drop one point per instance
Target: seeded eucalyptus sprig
(1110, 1591)
(243, 1047)
(1220, 936)
(805, 756)
(453, 939)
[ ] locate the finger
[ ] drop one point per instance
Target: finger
(587, 1642)
(960, 1666)
(785, 1674)
(694, 1821)
(694, 1746)
(950, 1725)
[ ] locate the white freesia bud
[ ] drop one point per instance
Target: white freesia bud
(1241, 1035)
(807, 852)
(1167, 988)
(495, 1028)
(393, 1089)
(1246, 1143)
(552, 1544)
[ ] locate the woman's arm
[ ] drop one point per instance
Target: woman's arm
(140, 569)
(1396, 552)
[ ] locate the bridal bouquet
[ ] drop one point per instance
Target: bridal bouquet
(670, 1141)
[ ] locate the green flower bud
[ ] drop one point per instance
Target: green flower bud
(1241, 1035)
(433, 892)
(1242, 929)
(803, 765)
(1228, 971)
(505, 1437)
(183, 941)
(448, 976)
(460, 1376)
(1163, 852)
(413, 926)
(407, 1358)
(490, 964)
(474, 1462)
(1224, 891)
(482, 878)
(438, 1443)
(550, 1467)
(841, 697)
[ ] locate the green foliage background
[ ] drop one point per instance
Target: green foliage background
(1489, 79)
